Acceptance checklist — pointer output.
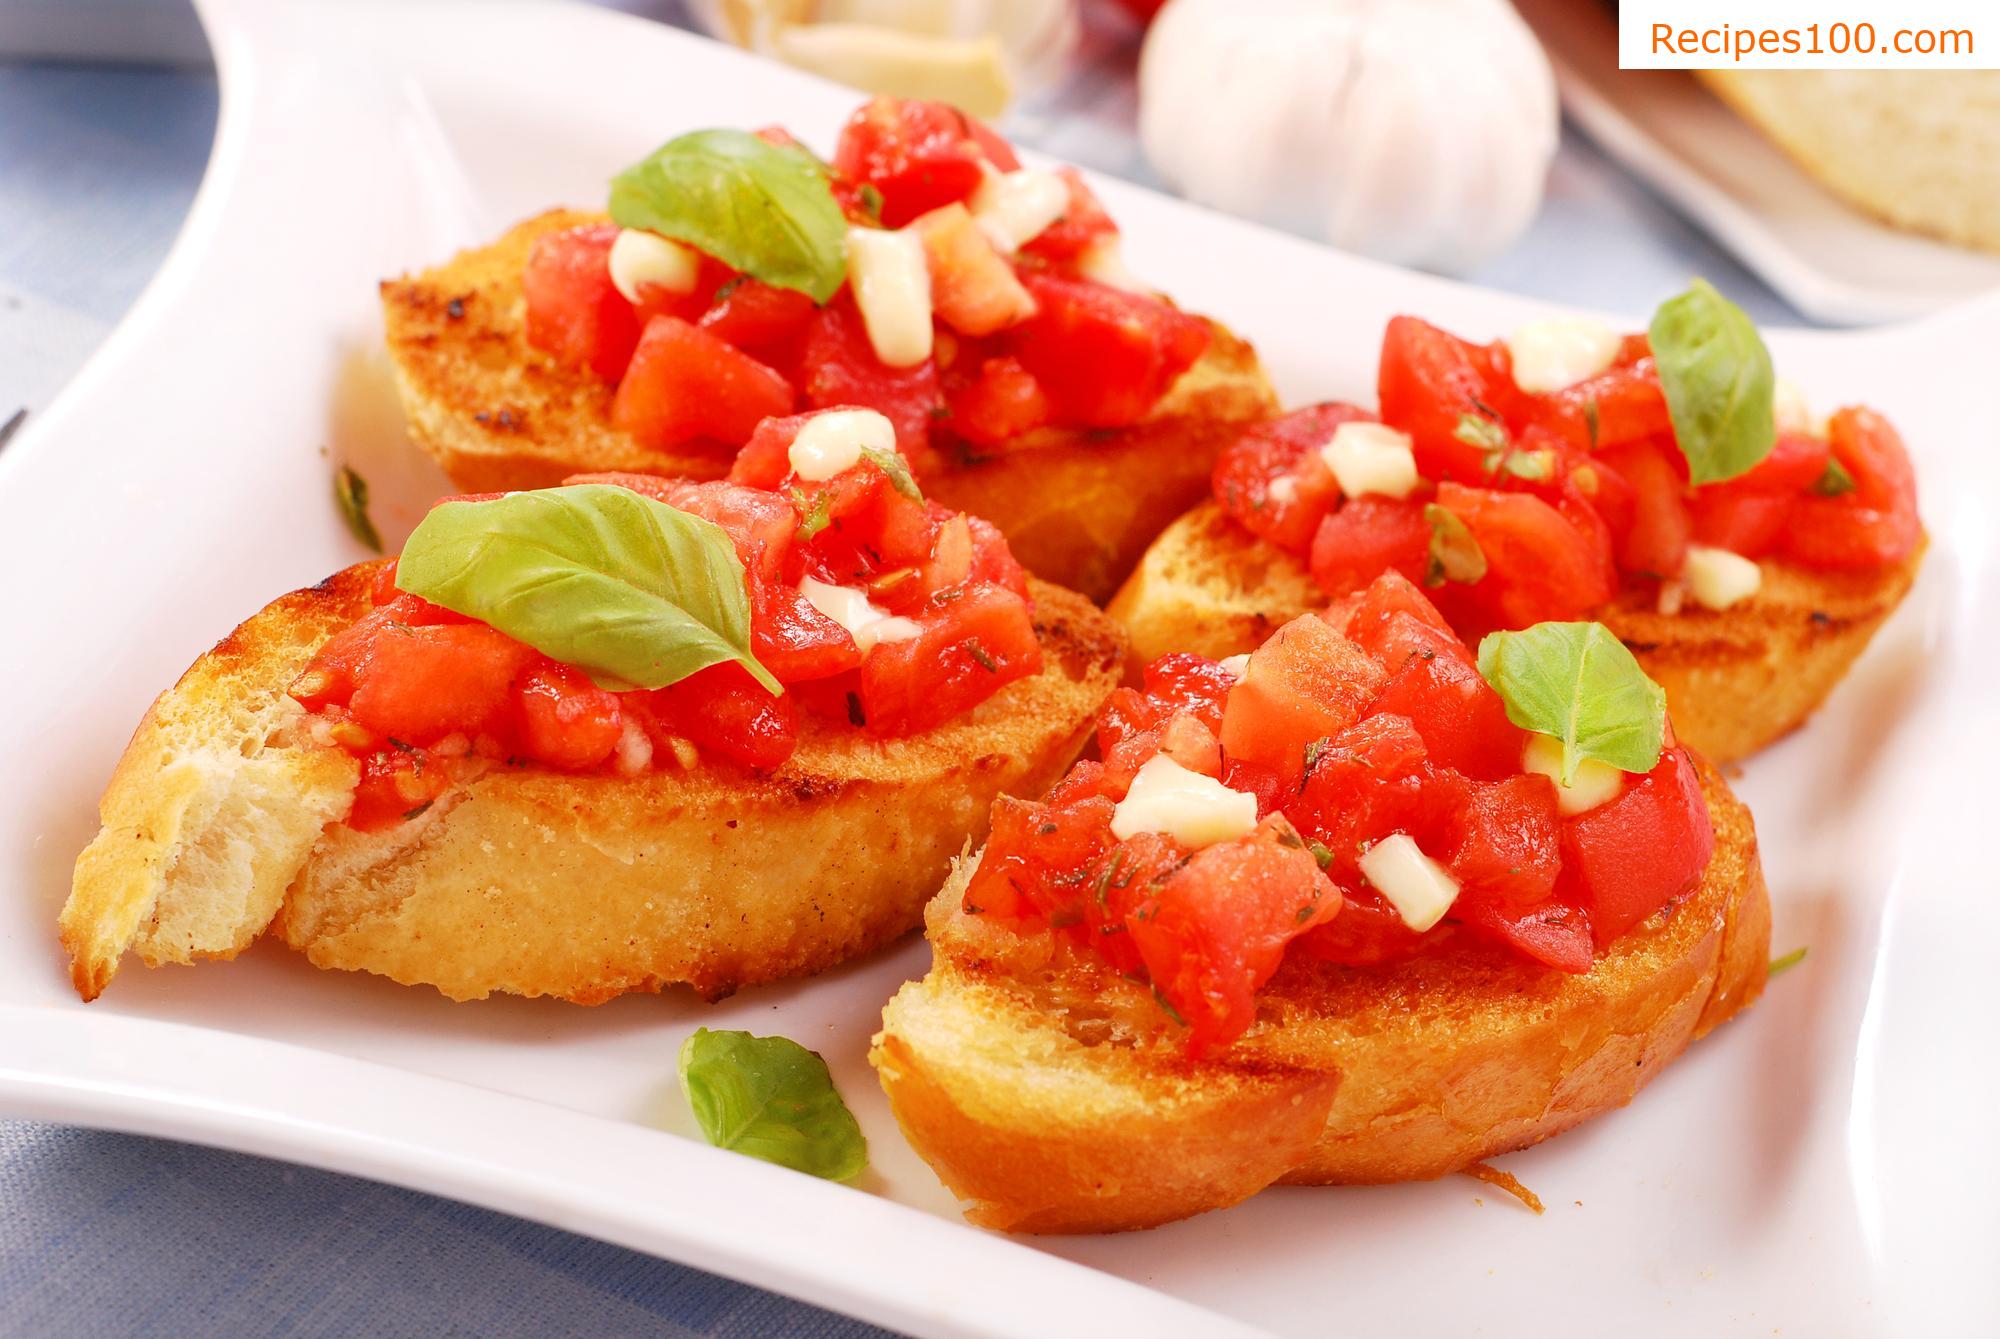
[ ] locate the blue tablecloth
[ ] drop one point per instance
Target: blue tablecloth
(104, 1234)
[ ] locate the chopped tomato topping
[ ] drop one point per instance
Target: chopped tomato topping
(1003, 402)
(1364, 722)
(841, 369)
(1082, 226)
(919, 155)
(575, 314)
(686, 384)
(1103, 356)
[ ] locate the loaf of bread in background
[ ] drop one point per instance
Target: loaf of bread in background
(1919, 149)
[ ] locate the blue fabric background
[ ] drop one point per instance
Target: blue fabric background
(112, 1235)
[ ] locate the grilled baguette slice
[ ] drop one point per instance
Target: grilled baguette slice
(223, 818)
(1736, 679)
(1077, 507)
(1049, 1095)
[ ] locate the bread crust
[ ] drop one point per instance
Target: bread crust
(1078, 507)
(582, 887)
(1350, 1075)
(1736, 679)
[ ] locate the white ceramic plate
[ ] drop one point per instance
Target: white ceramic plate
(1830, 260)
(1824, 1165)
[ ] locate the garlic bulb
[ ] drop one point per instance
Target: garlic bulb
(1415, 131)
(973, 53)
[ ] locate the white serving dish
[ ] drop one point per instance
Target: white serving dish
(1823, 1166)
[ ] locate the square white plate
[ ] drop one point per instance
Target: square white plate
(1831, 260)
(1824, 1165)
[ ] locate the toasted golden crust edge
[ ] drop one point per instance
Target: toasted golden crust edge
(583, 888)
(1420, 1068)
(1078, 507)
(1736, 679)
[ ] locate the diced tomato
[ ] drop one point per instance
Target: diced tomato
(1217, 928)
(973, 288)
(992, 561)
(980, 641)
(566, 720)
(419, 684)
(1656, 544)
(795, 641)
(1556, 932)
(727, 714)
(1508, 845)
(1614, 408)
(765, 322)
(1284, 448)
(1539, 566)
(841, 369)
(1638, 852)
(1371, 779)
(1367, 618)
(766, 459)
(1104, 357)
(1462, 720)
(574, 312)
(396, 784)
(1002, 403)
(919, 155)
(685, 384)
(1797, 462)
(1082, 225)
(1306, 683)
(1027, 842)
(1367, 931)
(1427, 382)
(1367, 536)
(1752, 524)
(1876, 524)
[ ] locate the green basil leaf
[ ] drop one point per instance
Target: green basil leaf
(1834, 479)
(350, 494)
(766, 210)
(630, 590)
(773, 1099)
(1719, 383)
(1454, 554)
(1578, 684)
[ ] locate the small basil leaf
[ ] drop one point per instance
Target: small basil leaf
(892, 464)
(1718, 380)
(350, 494)
(773, 1099)
(1480, 431)
(761, 208)
(630, 590)
(1834, 480)
(1577, 683)
(1454, 554)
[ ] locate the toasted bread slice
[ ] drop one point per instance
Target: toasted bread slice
(1078, 508)
(1736, 679)
(223, 819)
(1050, 1095)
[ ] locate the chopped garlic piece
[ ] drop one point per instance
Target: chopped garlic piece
(833, 441)
(1103, 261)
(1595, 782)
(640, 257)
(1014, 208)
(1559, 351)
(892, 287)
(1418, 887)
(850, 608)
(1283, 488)
(1791, 410)
(1371, 458)
(1718, 578)
(1237, 665)
(1193, 809)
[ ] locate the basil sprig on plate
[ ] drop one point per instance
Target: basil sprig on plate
(631, 591)
(762, 208)
(1719, 383)
(1578, 684)
(773, 1099)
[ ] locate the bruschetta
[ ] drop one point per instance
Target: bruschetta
(1679, 494)
(611, 736)
(1326, 914)
(924, 273)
